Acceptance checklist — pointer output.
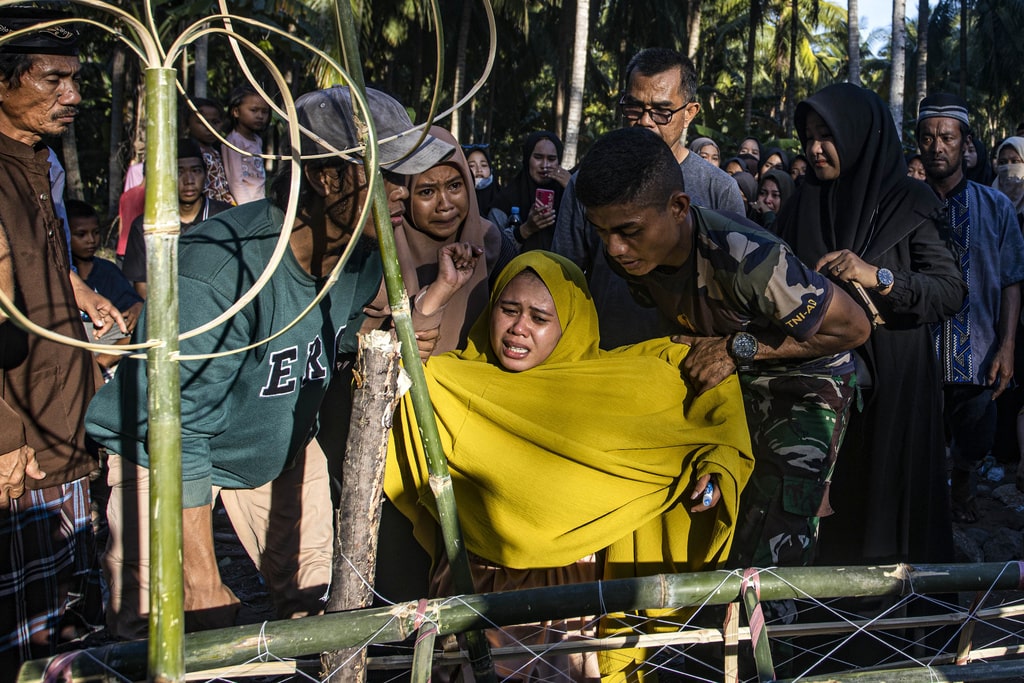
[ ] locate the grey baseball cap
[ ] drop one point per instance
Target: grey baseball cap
(328, 114)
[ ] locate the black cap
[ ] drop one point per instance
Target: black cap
(61, 39)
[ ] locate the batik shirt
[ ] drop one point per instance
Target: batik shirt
(740, 277)
(989, 247)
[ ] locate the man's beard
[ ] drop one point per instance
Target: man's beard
(941, 174)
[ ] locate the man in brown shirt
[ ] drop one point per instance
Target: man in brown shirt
(45, 386)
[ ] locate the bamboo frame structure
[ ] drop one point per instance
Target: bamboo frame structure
(294, 638)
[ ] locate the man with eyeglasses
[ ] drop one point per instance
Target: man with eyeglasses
(660, 95)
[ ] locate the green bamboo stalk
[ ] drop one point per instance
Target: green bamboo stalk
(348, 39)
(440, 478)
(166, 661)
(758, 630)
(1010, 670)
(297, 637)
(423, 653)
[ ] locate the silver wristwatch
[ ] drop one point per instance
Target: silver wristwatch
(885, 279)
(742, 348)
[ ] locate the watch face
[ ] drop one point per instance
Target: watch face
(744, 346)
(885, 278)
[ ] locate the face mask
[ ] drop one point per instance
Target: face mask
(481, 183)
(1011, 181)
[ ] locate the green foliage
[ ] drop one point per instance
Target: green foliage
(533, 59)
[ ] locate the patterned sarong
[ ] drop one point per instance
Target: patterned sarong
(47, 559)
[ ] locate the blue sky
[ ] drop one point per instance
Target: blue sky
(878, 13)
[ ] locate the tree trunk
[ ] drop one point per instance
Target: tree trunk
(459, 83)
(693, 29)
(963, 49)
(899, 63)
(202, 57)
(853, 40)
(790, 108)
(921, 88)
(357, 519)
(115, 163)
(74, 189)
(579, 72)
(563, 67)
(748, 68)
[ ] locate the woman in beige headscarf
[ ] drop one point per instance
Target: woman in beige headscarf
(1010, 173)
(441, 210)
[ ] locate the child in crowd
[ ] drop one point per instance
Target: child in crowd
(250, 114)
(205, 135)
(103, 276)
(194, 207)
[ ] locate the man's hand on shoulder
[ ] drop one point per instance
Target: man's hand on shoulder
(14, 467)
(708, 362)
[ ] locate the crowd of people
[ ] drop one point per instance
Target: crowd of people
(664, 360)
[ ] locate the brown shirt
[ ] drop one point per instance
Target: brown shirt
(45, 387)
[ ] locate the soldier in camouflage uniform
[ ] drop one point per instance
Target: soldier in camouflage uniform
(740, 297)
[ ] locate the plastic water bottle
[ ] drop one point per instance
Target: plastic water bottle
(514, 221)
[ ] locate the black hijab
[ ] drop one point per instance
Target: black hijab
(782, 181)
(873, 204)
(768, 153)
(520, 192)
(982, 172)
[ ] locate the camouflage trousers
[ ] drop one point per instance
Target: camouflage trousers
(797, 423)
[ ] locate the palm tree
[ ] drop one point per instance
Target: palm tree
(899, 64)
(795, 46)
(853, 42)
(579, 67)
(756, 17)
(921, 81)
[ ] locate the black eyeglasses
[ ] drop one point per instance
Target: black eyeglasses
(634, 111)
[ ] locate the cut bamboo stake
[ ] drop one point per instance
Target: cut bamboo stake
(299, 637)
(166, 662)
(357, 519)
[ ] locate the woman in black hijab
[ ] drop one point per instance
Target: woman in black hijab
(772, 157)
(773, 191)
(861, 218)
(977, 163)
(541, 169)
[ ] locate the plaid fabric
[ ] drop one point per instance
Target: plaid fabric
(47, 560)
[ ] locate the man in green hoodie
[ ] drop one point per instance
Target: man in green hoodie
(249, 419)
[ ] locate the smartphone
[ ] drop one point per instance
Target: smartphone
(546, 198)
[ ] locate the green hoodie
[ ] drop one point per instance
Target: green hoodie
(246, 415)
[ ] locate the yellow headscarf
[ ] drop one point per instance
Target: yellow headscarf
(557, 462)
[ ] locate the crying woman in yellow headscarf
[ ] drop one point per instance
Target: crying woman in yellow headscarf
(559, 450)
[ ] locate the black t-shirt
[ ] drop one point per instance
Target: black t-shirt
(134, 266)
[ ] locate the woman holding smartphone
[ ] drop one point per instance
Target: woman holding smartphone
(536, 190)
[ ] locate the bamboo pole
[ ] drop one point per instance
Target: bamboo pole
(440, 478)
(298, 637)
(751, 594)
(976, 671)
(166, 661)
